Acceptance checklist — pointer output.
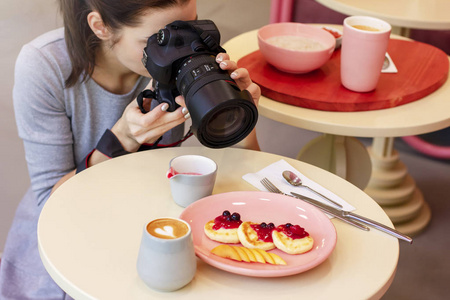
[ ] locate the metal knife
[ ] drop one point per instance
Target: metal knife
(346, 215)
(336, 215)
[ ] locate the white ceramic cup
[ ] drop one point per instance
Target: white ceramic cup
(191, 177)
(363, 52)
(166, 261)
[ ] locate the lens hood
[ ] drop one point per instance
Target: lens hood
(221, 114)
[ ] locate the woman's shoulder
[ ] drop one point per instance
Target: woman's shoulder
(41, 69)
(47, 51)
(49, 38)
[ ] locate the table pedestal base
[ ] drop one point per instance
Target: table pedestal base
(344, 156)
(378, 171)
(395, 190)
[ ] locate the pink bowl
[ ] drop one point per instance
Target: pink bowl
(295, 61)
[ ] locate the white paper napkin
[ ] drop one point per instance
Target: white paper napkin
(274, 172)
(391, 67)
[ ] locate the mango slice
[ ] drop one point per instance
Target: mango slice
(247, 255)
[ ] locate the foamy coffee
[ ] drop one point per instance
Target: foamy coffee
(365, 27)
(167, 228)
(166, 246)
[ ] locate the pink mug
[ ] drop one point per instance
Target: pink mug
(364, 45)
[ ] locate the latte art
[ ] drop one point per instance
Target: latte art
(168, 231)
(167, 228)
(166, 259)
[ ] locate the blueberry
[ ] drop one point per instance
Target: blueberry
(228, 218)
(263, 225)
(236, 217)
(225, 213)
(271, 225)
(288, 225)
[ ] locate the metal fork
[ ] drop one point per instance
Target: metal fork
(273, 189)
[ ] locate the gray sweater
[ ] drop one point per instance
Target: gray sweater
(59, 127)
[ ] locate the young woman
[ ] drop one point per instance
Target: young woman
(74, 99)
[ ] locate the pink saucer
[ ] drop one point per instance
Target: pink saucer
(262, 207)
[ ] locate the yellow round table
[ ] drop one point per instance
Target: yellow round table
(89, 233)
(402, 14)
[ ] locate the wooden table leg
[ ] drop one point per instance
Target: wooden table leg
(395, 190)
(344, 156)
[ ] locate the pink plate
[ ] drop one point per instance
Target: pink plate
(262, 207)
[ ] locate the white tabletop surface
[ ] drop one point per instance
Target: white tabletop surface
(89, 233)
(419, 14)
(422, 116)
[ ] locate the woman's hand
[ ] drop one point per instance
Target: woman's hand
(135, 128)
(244, 82)
(240, 75)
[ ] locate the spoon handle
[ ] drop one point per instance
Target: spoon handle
(320, 194)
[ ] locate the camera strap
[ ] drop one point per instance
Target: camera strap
(210, 41)
(151, 94)
(207, 38)
(140, 99)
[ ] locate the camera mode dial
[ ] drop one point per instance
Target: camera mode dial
(162, 37)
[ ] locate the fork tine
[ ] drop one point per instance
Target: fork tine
(264, 183)
(270, 186)
(273, 187)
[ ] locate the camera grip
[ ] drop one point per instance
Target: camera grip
(166, 95)
(161, 95)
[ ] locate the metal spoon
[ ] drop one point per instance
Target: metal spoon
(386, 63)
(294, 180)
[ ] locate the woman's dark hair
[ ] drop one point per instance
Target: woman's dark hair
(82, 43)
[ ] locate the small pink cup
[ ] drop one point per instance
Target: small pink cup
(363, 52)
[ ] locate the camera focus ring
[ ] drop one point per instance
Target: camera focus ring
(197, 69)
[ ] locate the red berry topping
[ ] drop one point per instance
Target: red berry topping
(264, 231)
(293, 231)
(227, 220)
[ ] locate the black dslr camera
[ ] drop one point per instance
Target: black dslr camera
(181, 60)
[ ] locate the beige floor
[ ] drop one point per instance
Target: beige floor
(424, 267)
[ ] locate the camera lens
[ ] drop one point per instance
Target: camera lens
(225, 122)
(221, 114)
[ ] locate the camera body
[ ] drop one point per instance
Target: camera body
(167, 49)
(181, 60)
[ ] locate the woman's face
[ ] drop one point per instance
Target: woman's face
(132, 40)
